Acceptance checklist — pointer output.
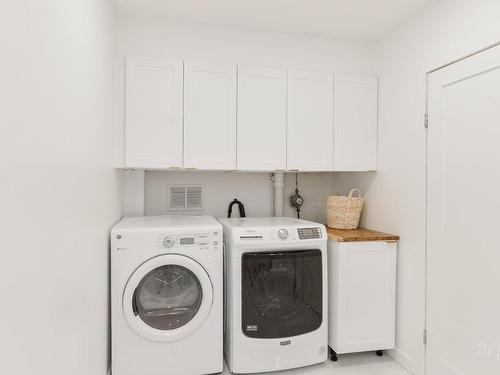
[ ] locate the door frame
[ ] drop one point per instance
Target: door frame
(427, 123)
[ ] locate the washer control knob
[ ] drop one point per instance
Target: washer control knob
(168, 242)
(283, 234)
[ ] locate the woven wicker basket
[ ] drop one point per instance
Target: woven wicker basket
(344, 212)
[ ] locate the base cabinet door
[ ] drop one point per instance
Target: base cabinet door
(355, 123)
(362, 295)
(210, 116)
(261, 119)
(310, 121)
(153, 113)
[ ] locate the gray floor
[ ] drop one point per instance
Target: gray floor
(349, 364)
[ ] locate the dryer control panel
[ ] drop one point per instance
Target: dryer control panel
(202, 241)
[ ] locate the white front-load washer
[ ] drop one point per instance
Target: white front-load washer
(275, 293)
(167, 296)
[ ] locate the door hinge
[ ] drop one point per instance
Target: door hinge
(426, 120)
(425, 336)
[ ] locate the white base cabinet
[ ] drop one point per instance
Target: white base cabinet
(362, 295)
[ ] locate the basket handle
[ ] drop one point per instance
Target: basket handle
(352, 192)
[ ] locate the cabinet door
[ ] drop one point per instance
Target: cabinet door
(362, 295)
(310, 121)
(153, 113)
(210, 116)
(261, 119)
(355, 123)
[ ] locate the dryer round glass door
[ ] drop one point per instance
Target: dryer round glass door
(167, 298)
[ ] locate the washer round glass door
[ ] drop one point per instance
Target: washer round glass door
(167, 298)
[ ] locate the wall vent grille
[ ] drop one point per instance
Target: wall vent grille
(185, 197)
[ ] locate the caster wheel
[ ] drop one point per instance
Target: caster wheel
(380, 353)
(333, 355)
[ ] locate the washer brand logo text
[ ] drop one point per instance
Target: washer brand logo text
(287, 342)
(252, 328)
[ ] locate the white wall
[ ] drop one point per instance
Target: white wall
(58, 188)
(197, 42)
(445, 31)
(253, 189)
(314, 188)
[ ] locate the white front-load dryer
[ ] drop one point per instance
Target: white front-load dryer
(167, 296)
(276, 293)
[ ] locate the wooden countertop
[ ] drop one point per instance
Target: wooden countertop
(360, 234)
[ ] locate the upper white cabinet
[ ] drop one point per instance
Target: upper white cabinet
(310, 121)
(153, 113)
(223, 117)
(261, 127)
(209, 116)
(355, 119)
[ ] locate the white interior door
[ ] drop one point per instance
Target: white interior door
(463, 306)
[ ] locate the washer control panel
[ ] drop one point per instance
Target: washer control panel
(283, 233)
(280, 234)
(309, 233)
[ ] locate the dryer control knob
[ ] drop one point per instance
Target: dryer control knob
(168, 242)
(283, 234)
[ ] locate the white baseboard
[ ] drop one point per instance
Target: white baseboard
(403, 359)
